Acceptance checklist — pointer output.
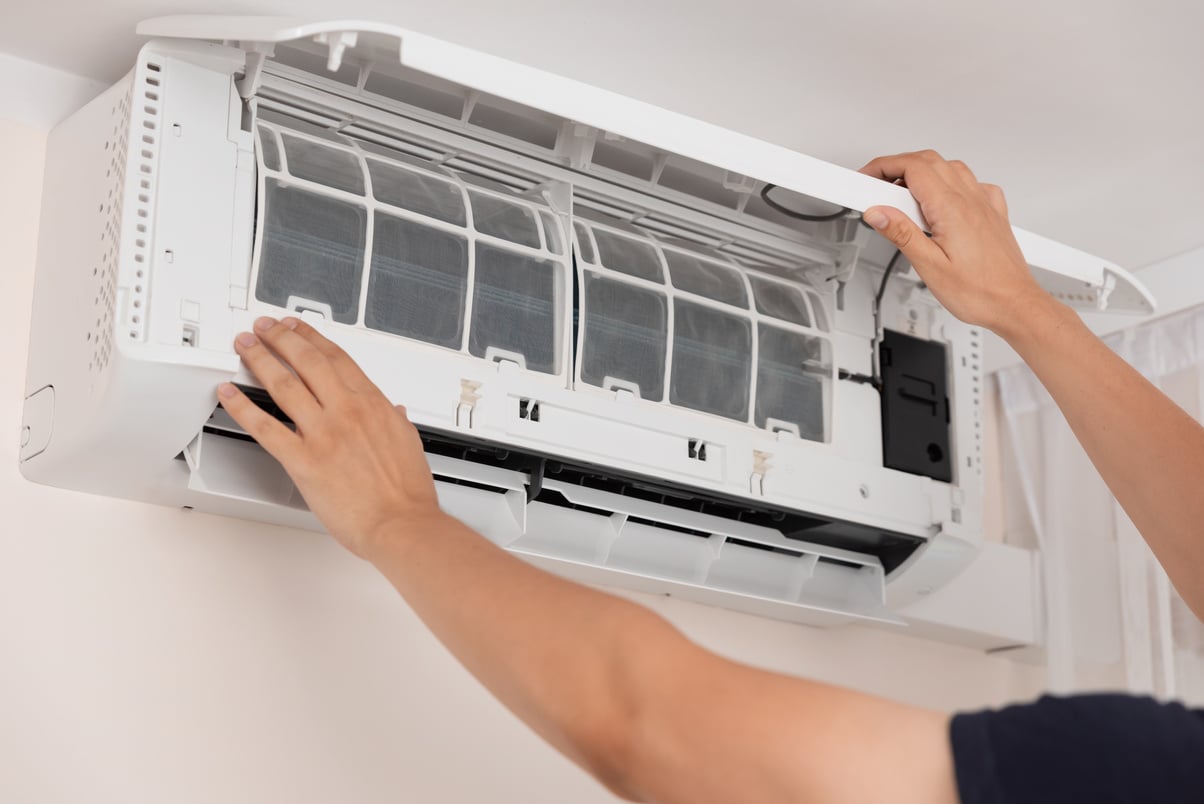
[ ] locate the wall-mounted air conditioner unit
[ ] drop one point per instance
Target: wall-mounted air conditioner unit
(626, 364)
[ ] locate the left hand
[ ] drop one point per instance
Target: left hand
(356, 458)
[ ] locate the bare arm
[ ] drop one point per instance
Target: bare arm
(608, 683)
(1148, 450)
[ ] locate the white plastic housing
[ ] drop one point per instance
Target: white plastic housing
(217, 183)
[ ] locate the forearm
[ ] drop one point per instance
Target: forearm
(651, 715)
(564, 658)
(1148, 450)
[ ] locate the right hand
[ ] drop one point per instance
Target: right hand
(972, 263)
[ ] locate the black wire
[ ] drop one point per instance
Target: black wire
(877, 359)
(890, 267)
(802, 216)
(851, 376)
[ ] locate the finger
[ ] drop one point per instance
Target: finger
(917, 170)
(278, 440)
(307, 361)
(286, 390)
(347, 369)
(995, 198)
(902, 231)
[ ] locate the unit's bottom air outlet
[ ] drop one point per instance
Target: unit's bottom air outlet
(892, 549)
(533, 472)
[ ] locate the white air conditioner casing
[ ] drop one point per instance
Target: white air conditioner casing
(627, 366)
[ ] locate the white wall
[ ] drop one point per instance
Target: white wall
(149, 654)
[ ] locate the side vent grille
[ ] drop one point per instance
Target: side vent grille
(104, 271)
(976, 396)
(147, 93)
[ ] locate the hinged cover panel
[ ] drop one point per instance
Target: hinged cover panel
(1081, 279)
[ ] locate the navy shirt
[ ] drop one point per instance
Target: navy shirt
(1096, 749)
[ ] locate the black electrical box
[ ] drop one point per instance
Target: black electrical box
(915, 406)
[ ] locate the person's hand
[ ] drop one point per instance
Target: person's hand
(356, 458)
(972, 263)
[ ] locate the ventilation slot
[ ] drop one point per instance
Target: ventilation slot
(976, 396)
(839, 563)
(654, 523)
(556, 498)
(148, 90)
(767, 548)
(471, 484)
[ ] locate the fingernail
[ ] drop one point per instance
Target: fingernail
(876, 219)
(264, 323)
(247, 339)
(226, 390)
(290, 322)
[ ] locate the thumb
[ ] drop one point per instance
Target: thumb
(905, 234)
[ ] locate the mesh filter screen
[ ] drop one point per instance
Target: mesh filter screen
(793, 373)
(781, 301)
(626, 335)
(421, 280)
(330, 166)
(501, 218)
(417, 192)
(628, 256)
(514, 306)
(418, 282)
(705, 278)
(313, 248)
(712, 360)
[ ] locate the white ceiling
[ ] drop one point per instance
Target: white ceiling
(1090, 113)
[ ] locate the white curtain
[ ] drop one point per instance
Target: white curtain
(1112, 618)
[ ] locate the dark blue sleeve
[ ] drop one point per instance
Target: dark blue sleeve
(1101, 749)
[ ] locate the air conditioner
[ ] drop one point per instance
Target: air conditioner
(626, 364)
